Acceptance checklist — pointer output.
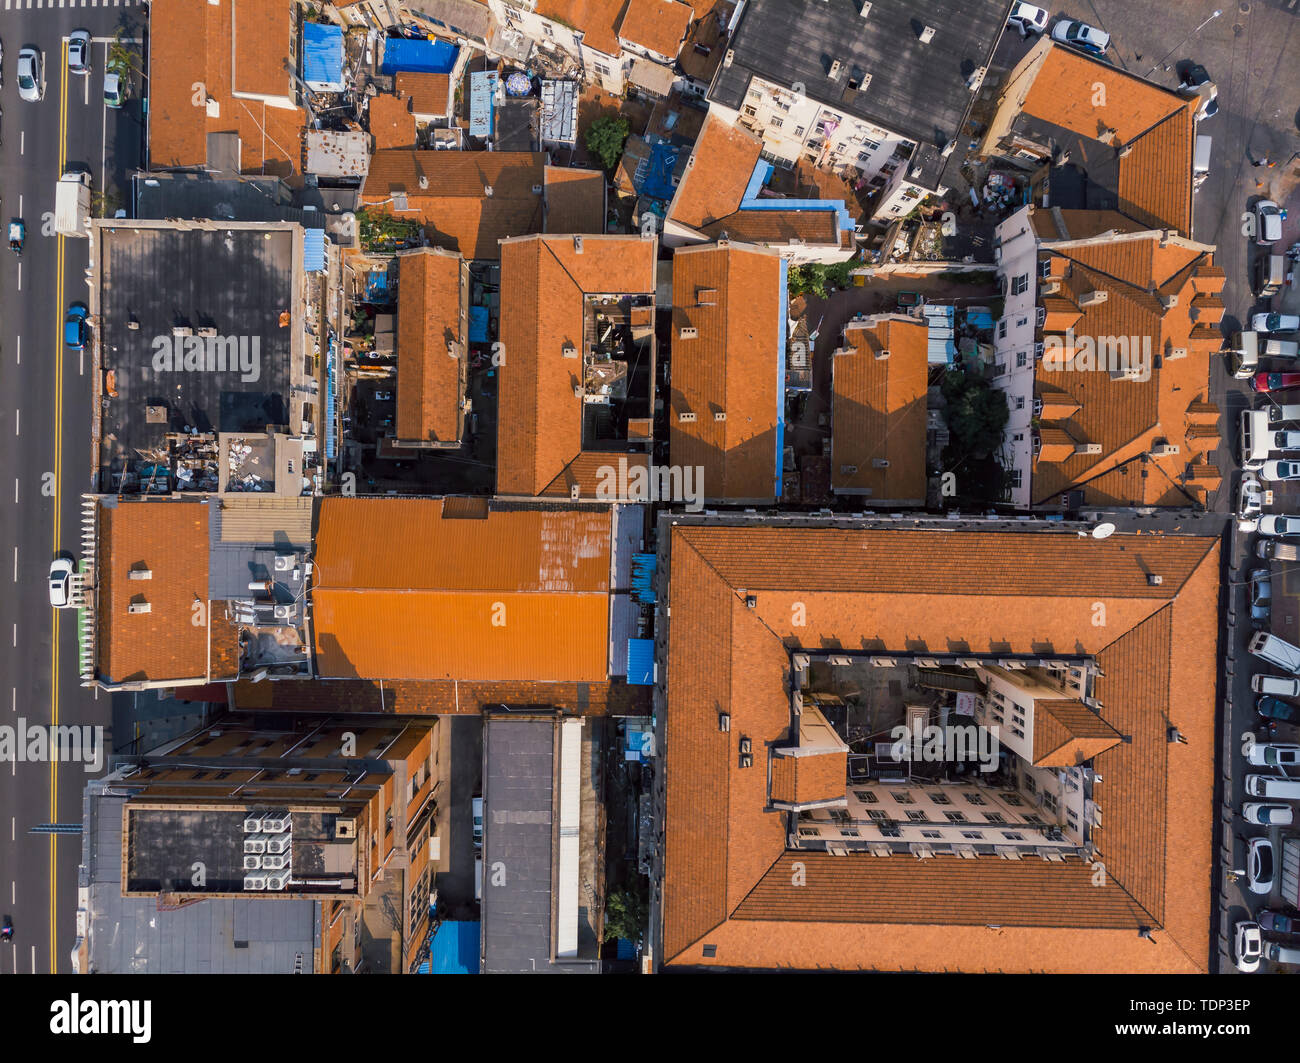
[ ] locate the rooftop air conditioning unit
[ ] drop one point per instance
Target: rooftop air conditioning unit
(139, 607)
(208, 332)
(182, 330)
(281, 843)
(286, 612)
(577, 245)
(1093, 298)
(537, 190)
(284, 562)
(575, 491)
(1155, 580)
(865, 9)
(278, 881)
(252, 824)
(252, 863)
(140, 573)
(254, 882)
(1175, 353)
(272, 863)
(927, 35)
(848, 470)
(839, 659)
(254, 844)
(274, 824)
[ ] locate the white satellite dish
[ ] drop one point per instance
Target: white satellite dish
(1103, 531)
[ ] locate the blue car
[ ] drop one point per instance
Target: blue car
(1272, 708)
(1279, 923)
(74, 326)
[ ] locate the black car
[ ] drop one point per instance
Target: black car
(1272, 708)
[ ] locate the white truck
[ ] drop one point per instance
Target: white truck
(72, 204)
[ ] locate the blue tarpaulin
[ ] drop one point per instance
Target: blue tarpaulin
(313, 250)
(455, 949)
(418, 57)
(478, 324)
(482, 90)
(626, 949)
(322, 57)
(658, 183)
(641, 662)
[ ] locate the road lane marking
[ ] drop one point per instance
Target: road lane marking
(18, 428)
(20, 275)
(13, 704)
(20, 204)
(15, 490)
(15, 564)
(18, 347)
(22, 141)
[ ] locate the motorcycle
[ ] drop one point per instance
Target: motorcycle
(8, 932)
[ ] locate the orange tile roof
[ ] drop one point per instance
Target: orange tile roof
(1127, 417)
(575, 200)
(878, 409)
(391, 122)
(428, 93)
(453, 208)
(727, 876)
(543, 284)
(659, 25)
(512, 594)
(721, 165)
(170, 540)
(1067, 732)
(597, 19)
(707, 31)
(730, 296)
(808, 780)
(432, 312)
(191, 42)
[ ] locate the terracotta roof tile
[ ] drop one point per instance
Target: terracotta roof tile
(391, 122)
(722, 163)
(878, 409)
(597, 19)
(659, 25)
(727, 877)
(811, 779)
(170, 540)
(1067, 732)
(575, 200)
(429, 94)
(515, 594)
(432, 313)
(730, 297)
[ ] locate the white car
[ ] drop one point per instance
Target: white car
(1279, 523)
(1287, 439)
(1027, 19)
(1259, 865)
(1250, 502)
(61, 570)
(1082, 36)
(1279, 469)
(1267, 815)
(1274, 754)
(1282, 686)
(1268, 222)
(31, 76)
(79, 52)
(1275, 323)
(1248, 946)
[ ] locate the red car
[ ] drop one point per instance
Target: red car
(1263, 382)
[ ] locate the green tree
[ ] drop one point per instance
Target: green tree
(625, 914)
(605, 137)
(977, 414)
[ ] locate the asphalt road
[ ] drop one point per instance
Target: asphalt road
(45, 447)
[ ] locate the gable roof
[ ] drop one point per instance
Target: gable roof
(597, 20)
(878, 408)
(730, 296)
(491, 594)
(432, 302)
(658, 25)
(727, 876)
(544, 282)
(575, 200)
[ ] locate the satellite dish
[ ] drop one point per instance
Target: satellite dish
(1103, 531)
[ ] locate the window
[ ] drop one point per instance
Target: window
(877, 814)
(1041, 316)
(839, 815)
(1011, 799)
(870, 145)
(974, 799)
(972, 835)
(1020, 284)
(808, 832)
(903, 797)
(849, 832)
(995, 817)
(546, 28)
(799, 131)
(931, 834)
(1013, 836)
(1030, 785)
(1021, 322)
(1022, 359)
(890, 832)
(710, 951)
(939, 799)
(751, 111)
(1017, 732)
(1020, 402)
(1014, 474)
(1019, 437)
(999, 367)
(1002, 329)
(776, 123)
(601, 69)
(955, 817)
(866, 797)
(916, 817)
(1049, 801)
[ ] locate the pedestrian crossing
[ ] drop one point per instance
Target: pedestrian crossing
(38, 5)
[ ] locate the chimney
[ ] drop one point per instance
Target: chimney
(1093, 298)
(927, 35)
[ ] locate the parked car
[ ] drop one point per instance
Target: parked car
(114, 93)
(1282, 953)
(1082, 36)
(1250, 502)
(1283, 414)
(1279, 524)
(1267, 815)
(1278, 922)
(1272, 708)
(1274, 754)
(1248, 944)
(1027, 19)
(61, 570)
(74, 326)
(1261, 598)
(1196, 82)
(1278, 550)
(1278, 652)
(1272, 788)
(1268, 222)
(1267, 382)
(1281, 685)
(477, 804)
(1259, 865)
(79, 52)
(1279, 469)
(1288, 439)
(1275, 323)
(31, 76)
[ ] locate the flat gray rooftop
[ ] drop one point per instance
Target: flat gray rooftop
(130, 935)
(918, 89)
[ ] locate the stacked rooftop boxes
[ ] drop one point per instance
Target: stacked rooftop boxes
(268, 850)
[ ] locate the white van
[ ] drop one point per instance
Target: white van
(1273, 788)
(1282, 414)
(1278, 652)
(1243, 357)
(1278, 685)
(1281, 349)
(1201, 160)
(1254, 439)
(1270, 275)
(1277, 550)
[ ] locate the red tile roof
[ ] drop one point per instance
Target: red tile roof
(659, 25)
(428, 93)
(730, 297)
(432, 313)
(721, 165)
(728, 877)
(575, 200)
(597, 19)
(391, 122)
(408, 589)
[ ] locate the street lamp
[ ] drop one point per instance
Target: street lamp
(1182, 42)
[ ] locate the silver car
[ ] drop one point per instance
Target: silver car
(79, 52)
(31, 75)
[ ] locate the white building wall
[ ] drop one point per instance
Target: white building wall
(604, 70)
(1013, 347)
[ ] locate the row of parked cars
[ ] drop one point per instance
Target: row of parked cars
(1274, 788)
(31, 71)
